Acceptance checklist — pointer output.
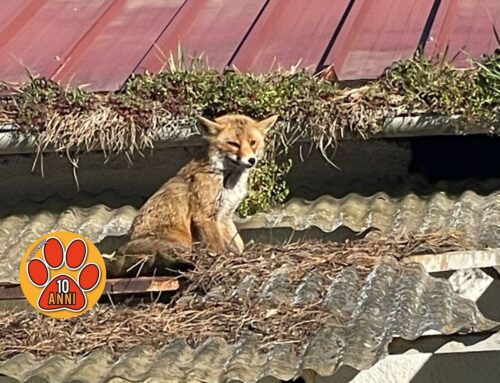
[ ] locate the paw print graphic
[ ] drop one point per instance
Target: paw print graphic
(61, 291)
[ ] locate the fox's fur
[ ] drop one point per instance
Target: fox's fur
(197, 205)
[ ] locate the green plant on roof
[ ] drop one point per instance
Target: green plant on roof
(427, 88)
(267, 187)
(489, 77)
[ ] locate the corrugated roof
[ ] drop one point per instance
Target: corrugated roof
(17, 232)
(212, 28)
(109, 51)
(477, 216)
(102, 42)
(395, 301)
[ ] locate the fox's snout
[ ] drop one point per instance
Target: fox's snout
(247, 161)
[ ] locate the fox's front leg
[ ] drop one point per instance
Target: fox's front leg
(220, 236)
(211, 234)
(232, 237)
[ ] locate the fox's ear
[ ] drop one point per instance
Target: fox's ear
(264, 125)
(208, 127)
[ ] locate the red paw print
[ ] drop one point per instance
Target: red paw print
(63, 292)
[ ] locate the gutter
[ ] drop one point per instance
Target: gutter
(420, 126)
(14, 142)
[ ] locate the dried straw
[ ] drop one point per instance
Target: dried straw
(196, 316)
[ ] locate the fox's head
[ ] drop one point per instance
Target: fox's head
(236, 140)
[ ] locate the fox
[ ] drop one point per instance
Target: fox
(197, 205)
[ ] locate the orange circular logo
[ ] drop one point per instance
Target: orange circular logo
(62, 274)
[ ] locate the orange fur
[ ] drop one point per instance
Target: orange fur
(199, 202)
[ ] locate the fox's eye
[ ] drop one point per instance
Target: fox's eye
(235, 144)
(253, 142)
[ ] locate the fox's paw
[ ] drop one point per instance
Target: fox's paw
(63, 292)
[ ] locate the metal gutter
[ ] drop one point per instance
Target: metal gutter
(14, 142)
(417, 126)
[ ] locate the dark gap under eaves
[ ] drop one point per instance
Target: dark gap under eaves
(397, 167)
(420, 165)
(456, 158)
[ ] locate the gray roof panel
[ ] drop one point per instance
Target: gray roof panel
(394, 301)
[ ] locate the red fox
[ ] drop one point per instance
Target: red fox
(197, 205)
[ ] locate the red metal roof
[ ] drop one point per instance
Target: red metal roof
(376, 34)
(289, 33)
(465, 25)
(110, 51)
(214, 29)
(101, 42)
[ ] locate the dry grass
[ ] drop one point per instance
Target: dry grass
(326, 258)
(196, 317)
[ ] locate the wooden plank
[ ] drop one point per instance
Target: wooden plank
(113, 286)
(141, 284)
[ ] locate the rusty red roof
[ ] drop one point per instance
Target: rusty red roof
(100, 43)
(289, 33)
(376, 34)
(464, 28)
(212, 28)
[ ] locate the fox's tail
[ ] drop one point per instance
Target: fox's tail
(149, 256)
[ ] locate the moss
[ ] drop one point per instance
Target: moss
(488, 77)
(310, 106)
(422, 87)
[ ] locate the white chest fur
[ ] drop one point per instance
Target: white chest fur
(233, 192)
